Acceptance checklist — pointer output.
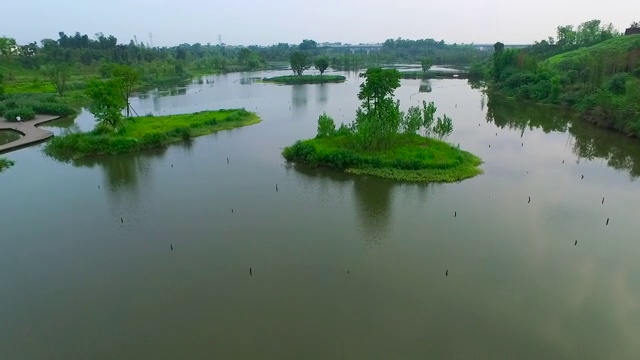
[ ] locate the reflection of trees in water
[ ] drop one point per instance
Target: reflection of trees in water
(322, 93)
(589, 141)
(373, 198)
(299, 96)
(67, 125)
(122, 171)
(425, 86)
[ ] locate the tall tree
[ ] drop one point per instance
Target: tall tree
(299, 62)
(106, 101)
(58, 74)
(128, 79)
(379, 117)
(426, 63)
(321, 64)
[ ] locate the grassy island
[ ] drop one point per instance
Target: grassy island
(306, 79)
(134, 134)
(433, 74)
(4, 164)
(385, 142)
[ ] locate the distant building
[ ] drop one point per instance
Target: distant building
(632, 31)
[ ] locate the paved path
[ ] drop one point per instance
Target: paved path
(31, 134)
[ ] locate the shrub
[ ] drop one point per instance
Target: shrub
(24, 113)
(326, 126)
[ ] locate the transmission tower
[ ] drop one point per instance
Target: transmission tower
(220, 39)
(151, 39)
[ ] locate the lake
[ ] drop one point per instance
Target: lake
(342, 266)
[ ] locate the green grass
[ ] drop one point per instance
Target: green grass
(147, 132)
(413, 158)
(615, 50)
(5, 164)
(306, 79)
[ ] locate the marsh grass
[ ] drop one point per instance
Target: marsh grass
(146, 132)
(412, 158)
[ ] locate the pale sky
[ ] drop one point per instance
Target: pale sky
(259, 22)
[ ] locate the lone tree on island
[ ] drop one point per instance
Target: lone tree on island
(321, 63)
(299, 62)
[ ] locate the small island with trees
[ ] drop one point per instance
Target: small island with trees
(300, 62)
(385, 142)
(116, 133)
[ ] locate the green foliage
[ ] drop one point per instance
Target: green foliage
(426, 64)
(5, 164)
(128, 79)
(326, 126)
(306, 79)
(321, 64)
(12, 105)
(107, 102)
(299, 61)
(146, 132)
(443, 127)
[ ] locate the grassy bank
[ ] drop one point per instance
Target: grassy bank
(147, 132)
(413, 158)
(306, 79)
(5, 164)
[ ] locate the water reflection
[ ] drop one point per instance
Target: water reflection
(322, 92)
(373, 198)
(299, 97)
(588, 141)
(425, 86)
(64, 126)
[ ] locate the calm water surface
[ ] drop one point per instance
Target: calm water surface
(343, 267)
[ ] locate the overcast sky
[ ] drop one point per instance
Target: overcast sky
(246, 22)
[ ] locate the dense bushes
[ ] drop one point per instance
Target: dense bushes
(28, 105)
(25, 113)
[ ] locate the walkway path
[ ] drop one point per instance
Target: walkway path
(31, 134)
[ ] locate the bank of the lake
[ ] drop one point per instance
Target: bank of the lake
(413, 158)
(305, 79)
(5, 164)
(147, 132)
(434, 74)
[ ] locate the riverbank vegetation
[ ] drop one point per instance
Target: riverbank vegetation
(593, 69)
(5, 164)
(306, 79)
(385, 142)
(139, 133)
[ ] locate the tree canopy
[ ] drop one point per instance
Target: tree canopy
(299, 62)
